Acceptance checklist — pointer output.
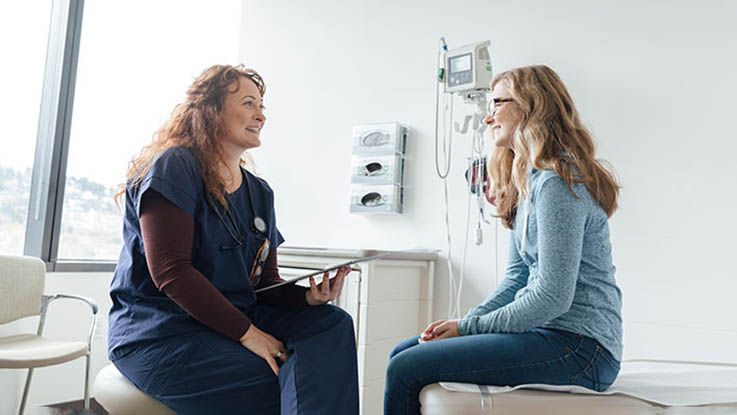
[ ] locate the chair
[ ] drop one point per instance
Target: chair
(22, 282)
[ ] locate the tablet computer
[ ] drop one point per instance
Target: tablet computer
(322, 271)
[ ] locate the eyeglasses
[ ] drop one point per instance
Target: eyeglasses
(258, 263)
(495, 104)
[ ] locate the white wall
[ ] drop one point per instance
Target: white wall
(653, 80)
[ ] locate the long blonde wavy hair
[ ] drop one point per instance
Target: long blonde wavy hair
(550, 136)
(196, 124)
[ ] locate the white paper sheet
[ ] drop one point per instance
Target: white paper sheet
(665, 383)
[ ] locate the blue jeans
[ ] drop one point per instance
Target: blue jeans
(554, 357)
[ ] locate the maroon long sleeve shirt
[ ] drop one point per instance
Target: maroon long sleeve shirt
(168, 234)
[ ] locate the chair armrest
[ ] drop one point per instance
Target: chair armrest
(47, 299)
(92, 303)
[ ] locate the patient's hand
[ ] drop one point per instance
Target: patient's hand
(426, 334)
(440, 329)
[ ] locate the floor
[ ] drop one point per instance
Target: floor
(71, 408)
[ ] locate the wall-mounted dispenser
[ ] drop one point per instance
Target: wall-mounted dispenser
(377, 171)
(380, 138)
(376, 198)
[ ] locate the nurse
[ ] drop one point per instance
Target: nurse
(199, 236)
(555, 318)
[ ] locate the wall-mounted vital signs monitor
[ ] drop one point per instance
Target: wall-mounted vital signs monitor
(468, 68)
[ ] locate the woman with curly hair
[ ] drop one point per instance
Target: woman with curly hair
(200, 235)
(556, 317)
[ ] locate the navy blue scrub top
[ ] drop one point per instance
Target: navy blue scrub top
(140, 312)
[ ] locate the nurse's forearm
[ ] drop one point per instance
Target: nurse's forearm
(168, 232)
(198, 297)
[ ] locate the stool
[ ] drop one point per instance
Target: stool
(120, 397)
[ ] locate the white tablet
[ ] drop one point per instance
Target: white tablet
(322, 271)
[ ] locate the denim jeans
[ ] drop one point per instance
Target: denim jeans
(553, 357)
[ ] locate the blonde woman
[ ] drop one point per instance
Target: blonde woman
(555, 318)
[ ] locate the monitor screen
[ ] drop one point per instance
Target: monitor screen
(460, 63)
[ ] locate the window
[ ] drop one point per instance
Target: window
(94, 81)
(134, 67)
(24, 31)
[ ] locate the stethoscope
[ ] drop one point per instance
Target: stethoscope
(258, 225)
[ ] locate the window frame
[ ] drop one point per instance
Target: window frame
(48, 179)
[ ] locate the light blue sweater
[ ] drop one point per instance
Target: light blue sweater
(564, 279)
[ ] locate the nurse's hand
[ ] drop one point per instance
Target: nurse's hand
(265, 346)
(328, 290)
(440, 329)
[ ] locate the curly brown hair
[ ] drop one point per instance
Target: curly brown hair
(196, 124)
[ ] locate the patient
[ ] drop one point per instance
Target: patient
(555, 318)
